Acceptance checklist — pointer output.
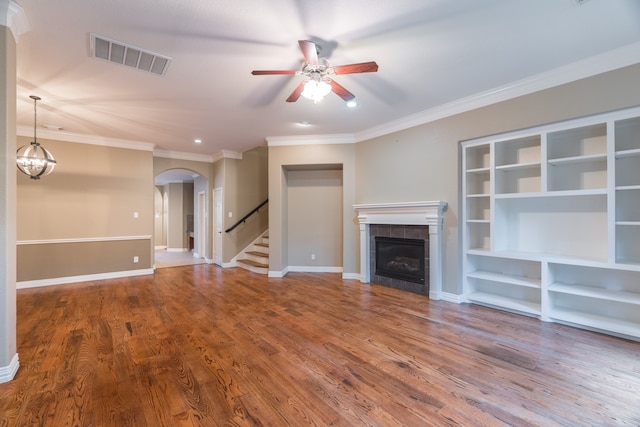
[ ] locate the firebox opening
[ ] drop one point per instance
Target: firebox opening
(400, 258)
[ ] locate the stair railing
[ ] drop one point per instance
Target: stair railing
(244, 218)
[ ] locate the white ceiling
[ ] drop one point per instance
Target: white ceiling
(430, 53)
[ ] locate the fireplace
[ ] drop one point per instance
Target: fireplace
(399, 258)
(410, 220)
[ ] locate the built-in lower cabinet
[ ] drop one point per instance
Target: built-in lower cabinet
(551, 222)
(602, 298)
(504, 282)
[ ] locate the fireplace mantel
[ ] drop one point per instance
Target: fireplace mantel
(411, 213)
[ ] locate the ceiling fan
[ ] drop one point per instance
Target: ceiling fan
(317, 71)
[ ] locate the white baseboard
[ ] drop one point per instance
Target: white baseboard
(8, 372)
(85, 278)
(177, 250)
(313, 269)
(351, 276)
(278, 274)
(449, 297)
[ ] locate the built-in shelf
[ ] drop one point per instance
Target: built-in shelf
(628, 153)
(509, 304)
(519, 166)
(552, 222)
(506, 278)
(628, 187)
(599, 323)
(597, 293)
(478, 170)
(579, 159)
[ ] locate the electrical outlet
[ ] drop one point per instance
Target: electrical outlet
(135, 215)
(313, 257)
(135, 259)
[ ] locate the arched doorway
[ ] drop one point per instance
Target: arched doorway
(180, 209)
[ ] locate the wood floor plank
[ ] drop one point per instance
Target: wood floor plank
(203, 346)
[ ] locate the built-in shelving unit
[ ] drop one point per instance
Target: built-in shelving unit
(551, 222)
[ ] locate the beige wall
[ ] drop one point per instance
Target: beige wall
(7, 198)
(91, 196)
(82, 258)
(285, 158)
(422, 163)
(176, 220)
(245, 187)
(315, 217)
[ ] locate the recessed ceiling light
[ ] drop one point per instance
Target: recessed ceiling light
(352, 104)
(304, 123)
(197, 141)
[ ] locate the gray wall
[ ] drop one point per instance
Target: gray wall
(315, 217)
(422, 163)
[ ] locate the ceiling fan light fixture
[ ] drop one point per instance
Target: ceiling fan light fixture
(316, 90)
(317, 72)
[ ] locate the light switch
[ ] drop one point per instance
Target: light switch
(230, 214)
(135, 214)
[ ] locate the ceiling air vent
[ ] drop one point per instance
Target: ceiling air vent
(131, 56)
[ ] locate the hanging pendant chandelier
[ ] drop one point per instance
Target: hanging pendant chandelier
(33, 159)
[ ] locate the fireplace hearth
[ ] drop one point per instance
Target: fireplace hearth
(410, 220)
(399, 258)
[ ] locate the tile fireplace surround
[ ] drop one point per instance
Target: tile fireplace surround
(411, 213)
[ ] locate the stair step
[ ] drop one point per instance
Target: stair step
(264, 245)
(253, 263)
(258, 254)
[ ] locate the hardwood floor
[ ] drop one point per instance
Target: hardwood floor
(199, 345)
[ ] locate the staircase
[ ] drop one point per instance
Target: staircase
(256, 256)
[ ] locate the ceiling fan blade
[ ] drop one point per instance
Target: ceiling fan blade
(309, 51)
(296, 93)
(267, 72)
(339, 90)
(363, 67)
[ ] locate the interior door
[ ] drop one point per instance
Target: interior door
(217, 225)
(202, 232)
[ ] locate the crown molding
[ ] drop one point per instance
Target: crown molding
(227, 154)
(207, 158)
(274, 141)
(85, 139)
(179, 155)
(13, 16)
(618, 58)
(608, 61)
